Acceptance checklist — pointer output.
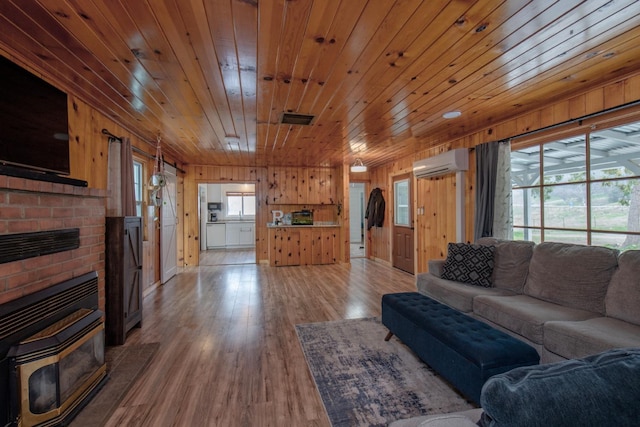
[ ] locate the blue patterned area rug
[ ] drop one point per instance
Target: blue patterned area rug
(366, 381)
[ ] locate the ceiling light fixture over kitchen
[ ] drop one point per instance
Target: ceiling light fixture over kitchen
(451, 114)
(358, 166)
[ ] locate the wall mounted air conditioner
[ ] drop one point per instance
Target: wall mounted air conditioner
(450, 162)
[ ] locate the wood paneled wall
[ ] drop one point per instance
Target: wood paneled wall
(290, 185)
(436, 227)
(89, 161)
(277, 188)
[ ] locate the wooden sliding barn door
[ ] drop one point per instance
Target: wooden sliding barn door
(168, 225)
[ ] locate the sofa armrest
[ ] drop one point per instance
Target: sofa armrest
(467, 418)
(435, 267)
(599, 390)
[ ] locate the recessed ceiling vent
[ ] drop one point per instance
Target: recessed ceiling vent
(296, 119)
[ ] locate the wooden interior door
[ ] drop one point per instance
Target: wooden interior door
(403, 235)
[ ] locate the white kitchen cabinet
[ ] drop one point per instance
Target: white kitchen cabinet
(240, 234)
(216, 235)
(247, 235)
(233, 234)
(214, 193)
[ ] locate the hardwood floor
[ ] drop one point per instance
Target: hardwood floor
(228, 256)
(229, 354)
(357, 250)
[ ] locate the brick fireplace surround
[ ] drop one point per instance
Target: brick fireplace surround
(28, 206)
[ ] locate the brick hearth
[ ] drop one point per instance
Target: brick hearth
(27, 206)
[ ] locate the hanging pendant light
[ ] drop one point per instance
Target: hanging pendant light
(358, 166)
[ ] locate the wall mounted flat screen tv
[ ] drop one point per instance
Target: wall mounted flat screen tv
(34, 129)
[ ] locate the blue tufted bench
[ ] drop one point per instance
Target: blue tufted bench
(463, 350)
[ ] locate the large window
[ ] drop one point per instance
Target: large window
(583, 189)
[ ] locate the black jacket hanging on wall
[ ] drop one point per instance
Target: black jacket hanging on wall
(375, 209)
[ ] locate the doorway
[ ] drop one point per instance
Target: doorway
(403, 246)
(227, 223)
(357, 220)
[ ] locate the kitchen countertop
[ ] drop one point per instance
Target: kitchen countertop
(272, 225)
(225, 221)
(315, 225)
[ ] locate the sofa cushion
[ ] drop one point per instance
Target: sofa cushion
(454, 294)
(523, 314)
(571, 275)
(469, 263)
(623, 295)
(510, 262)
(579, 339)
(599, 390)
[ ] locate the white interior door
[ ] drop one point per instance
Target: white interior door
(168, 224)
(204, 215)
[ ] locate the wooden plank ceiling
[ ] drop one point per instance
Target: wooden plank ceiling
(213, 77)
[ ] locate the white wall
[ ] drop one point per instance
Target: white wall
(356, 211)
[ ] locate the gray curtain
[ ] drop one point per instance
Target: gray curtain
(486, 170)
(493, 213)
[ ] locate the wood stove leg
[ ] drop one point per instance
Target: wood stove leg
(388, 337)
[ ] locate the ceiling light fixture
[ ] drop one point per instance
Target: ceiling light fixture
(358, 166)
(451, 114)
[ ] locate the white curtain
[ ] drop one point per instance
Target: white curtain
(127, 185)
(502, 205)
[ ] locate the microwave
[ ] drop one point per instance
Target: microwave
(302, 218)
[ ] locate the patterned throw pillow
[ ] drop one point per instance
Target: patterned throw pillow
(469, 263)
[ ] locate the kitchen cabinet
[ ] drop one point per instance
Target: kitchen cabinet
(301, 245)
(247, 235)
(216, 235)
(214, 193)
(240, 234)
(284, 246)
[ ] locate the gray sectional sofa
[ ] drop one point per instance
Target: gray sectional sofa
(567, 301)
(579, 307)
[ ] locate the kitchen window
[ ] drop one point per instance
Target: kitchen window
(240, 204)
